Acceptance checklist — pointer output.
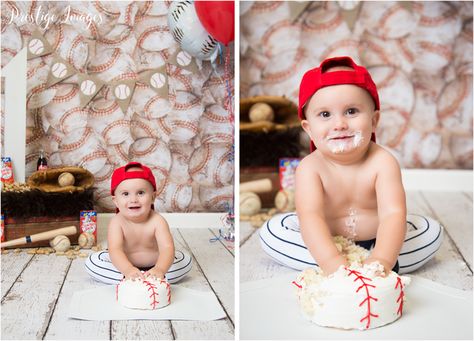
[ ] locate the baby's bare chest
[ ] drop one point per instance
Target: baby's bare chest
(142, 237)
(344, 191)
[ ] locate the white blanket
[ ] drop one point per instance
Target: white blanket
(186, 304)
(269, 310)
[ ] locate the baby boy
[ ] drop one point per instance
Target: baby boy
(348, 185)
(140, 243)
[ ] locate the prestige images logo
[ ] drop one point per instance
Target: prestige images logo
(45, 19)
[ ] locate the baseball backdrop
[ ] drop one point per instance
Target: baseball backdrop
(419, 54)
(185, 135)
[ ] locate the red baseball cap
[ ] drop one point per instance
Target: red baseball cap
(318, 78)
(121, 174)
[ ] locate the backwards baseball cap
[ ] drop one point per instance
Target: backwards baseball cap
(318, 78)
(122, 173)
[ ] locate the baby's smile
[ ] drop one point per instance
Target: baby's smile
(339, 143)
(344, 137)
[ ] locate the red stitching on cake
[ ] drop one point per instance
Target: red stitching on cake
(368, 297)
(154, 294)
(400, 297)
(117, 287)
(299, 286)
(168, 289)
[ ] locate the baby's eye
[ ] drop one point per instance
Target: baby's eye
(324, 114)
(141, 192)
(351, 111)
(125, 194)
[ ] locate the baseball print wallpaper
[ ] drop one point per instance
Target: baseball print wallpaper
(419, 54)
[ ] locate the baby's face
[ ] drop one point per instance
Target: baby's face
(134, 197)
(340, 118)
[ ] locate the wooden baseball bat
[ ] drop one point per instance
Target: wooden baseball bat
(67, 231)
(256, 186)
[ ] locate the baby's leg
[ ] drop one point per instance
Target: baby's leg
(100, 267)
(280, 238)
(423, 239)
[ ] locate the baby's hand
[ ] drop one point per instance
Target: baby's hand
(154, 272)
(333, 265)
(134, 273)
(386, 267)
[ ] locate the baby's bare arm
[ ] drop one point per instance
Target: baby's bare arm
(316, 234)
(391, 206)
(165, 246)
(117, 255)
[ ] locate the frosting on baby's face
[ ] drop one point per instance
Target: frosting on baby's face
(340, 119)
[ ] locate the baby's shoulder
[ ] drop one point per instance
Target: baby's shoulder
(115, 221)
(157, 219)
(382, 158)
(311, 162)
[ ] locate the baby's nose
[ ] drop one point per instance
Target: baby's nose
(340, 122)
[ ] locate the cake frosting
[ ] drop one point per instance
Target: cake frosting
(149, 293)
(353, 297)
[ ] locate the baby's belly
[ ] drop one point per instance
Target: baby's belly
(360, 227)
(143, 258)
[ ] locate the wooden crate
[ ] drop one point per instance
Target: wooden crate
(21, 227)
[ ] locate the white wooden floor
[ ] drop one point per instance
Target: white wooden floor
(36, 291)
(452, 264)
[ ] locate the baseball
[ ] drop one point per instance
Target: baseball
(285, 201)
(122, 91)
(36, 46)
(250, 203)
(183, 58)
(157, 80)
(261, 112)
(86, 240)
(59, 70)
(88, 87)
(60, 243)
(66, 179)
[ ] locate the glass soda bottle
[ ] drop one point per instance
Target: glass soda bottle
(42, 163)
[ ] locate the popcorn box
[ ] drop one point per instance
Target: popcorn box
(3, 229)
(7, 170)
(88, 223)
(287, 169)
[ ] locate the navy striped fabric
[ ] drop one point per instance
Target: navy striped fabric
(99, 266)
(281, 239)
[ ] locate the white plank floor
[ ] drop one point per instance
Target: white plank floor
(452, 264)
(37, 289)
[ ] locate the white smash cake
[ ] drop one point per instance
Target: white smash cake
(354, 297)
(143, 294)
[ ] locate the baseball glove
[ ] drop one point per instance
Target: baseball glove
(47, 180)
(286, 114)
